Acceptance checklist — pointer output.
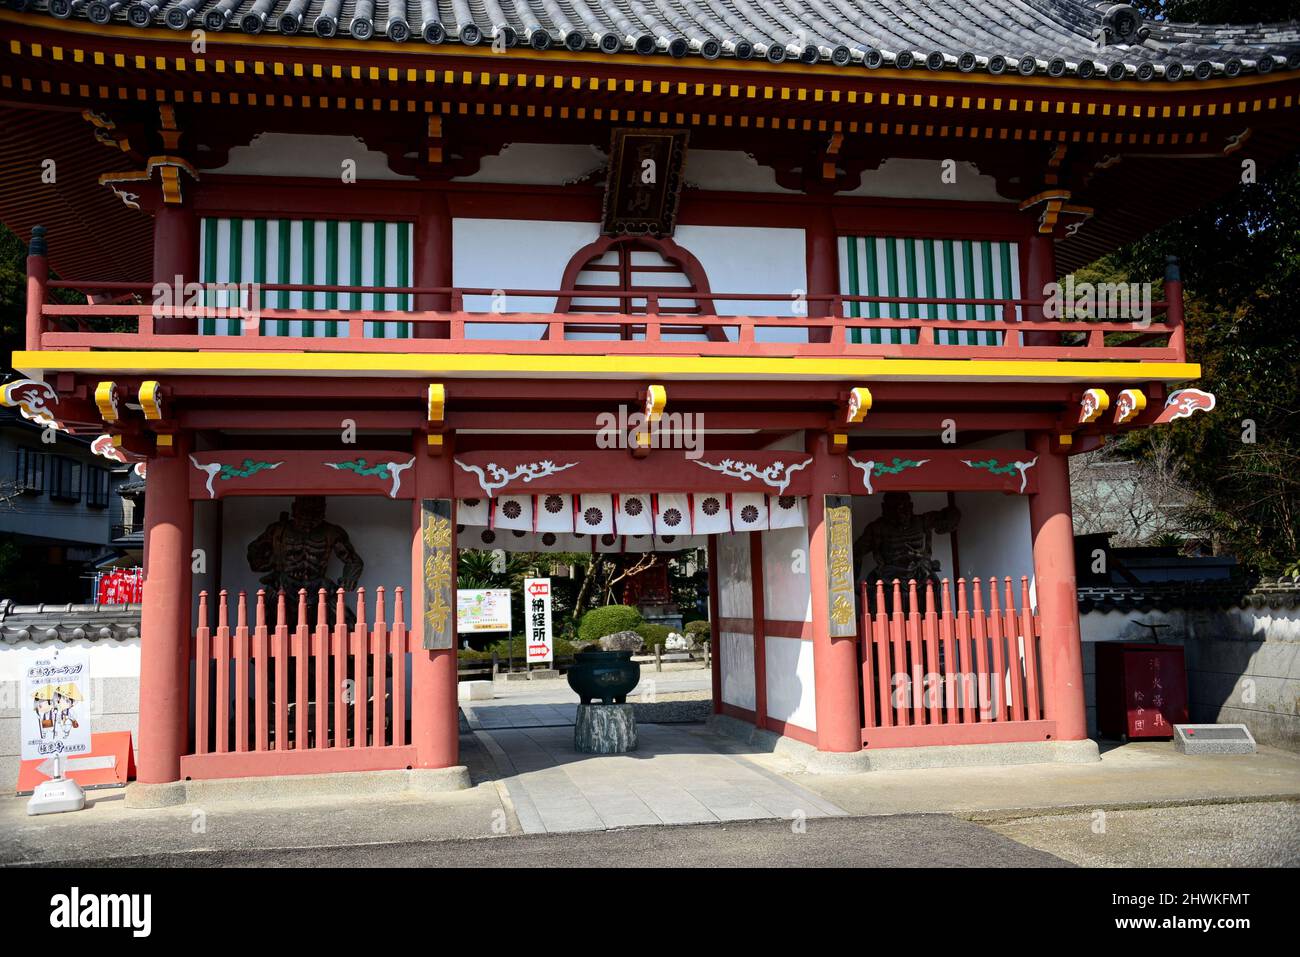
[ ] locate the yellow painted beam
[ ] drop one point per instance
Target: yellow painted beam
(613, 367)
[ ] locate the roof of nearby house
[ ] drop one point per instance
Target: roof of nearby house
(42, 623)
(1082, 38)
(1277, 594)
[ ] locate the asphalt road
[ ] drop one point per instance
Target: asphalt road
(926, 840)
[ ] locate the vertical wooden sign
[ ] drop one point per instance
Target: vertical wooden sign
(839, 566)
(436, 533)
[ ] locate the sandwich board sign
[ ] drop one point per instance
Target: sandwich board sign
(538, 645)
(55, 705)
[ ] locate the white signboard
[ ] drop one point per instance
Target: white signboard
(55, 704)
(482, 609)
(537, 621)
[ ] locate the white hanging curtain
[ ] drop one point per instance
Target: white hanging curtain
(514, 512)
(595, 515)
(709, 514)
(472, 511)
(554, 513)
(634, 515)
(786, 511)
(672, 514)
(748, 511)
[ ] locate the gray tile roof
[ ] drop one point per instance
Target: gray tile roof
(41, 623)
(1057, 38)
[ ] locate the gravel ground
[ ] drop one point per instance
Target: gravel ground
(1262, 834)
(674, 707)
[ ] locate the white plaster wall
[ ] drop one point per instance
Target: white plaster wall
(791, 688)
(380, 529)
(994, 536)
(745, 259)
(729, 170)
(307, 155)
(539, 164)
(1239, 624)
(513, 254)
(108, 659)
(787, 590)
(900, 178)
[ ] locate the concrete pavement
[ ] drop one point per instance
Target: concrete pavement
(907, 841)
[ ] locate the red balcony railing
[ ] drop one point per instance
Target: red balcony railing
(1003, 329)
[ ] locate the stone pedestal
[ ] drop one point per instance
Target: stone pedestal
(604, 729)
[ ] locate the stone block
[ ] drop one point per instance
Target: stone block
(474, 691)
(1213, 739)
(604, 729)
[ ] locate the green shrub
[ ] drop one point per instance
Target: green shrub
(503, 649)
(599, 622)
(653, 635)
(700, 630)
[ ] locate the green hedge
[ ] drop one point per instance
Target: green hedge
(653, 635)
(503, 649)
(700, 629)
(599, 622)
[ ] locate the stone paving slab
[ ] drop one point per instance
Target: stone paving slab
(674, 777)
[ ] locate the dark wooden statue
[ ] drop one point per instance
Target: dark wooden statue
(295, 551)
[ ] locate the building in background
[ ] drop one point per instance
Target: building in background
(62, 514)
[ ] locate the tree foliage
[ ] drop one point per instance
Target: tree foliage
(1241, 270)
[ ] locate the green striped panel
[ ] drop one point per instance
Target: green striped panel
(308, 252)
(928, 268)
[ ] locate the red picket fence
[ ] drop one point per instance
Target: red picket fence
(308, 699)
(935, 675)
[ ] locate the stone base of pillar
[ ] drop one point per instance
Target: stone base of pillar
(604, 729)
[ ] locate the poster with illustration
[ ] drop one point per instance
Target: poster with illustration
(55, 704)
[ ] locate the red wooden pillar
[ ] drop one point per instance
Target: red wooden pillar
(822, 266)
(1054, 583)
(1040, 269)
(38, 273)
(432, 259)
(175, 254)
(165, 617)
(435, 727)
(760, 634)
(835, 660)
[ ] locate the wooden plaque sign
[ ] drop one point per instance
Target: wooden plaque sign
(439, 606)
(839, 566)
(645, 179)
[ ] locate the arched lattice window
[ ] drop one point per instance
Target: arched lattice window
(622, 272)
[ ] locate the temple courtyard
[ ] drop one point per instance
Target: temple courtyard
(691, 796)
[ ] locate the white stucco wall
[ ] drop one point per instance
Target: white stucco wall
(514, 254)
(379, 527)
(745, 259)
(993, 538)
(787, 592)
(791, 687)
(303, 155)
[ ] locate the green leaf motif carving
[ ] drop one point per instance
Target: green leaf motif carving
(247, 469)
(897, 466)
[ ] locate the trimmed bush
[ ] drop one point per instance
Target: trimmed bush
(653, 635)
(699, 630)
(599, 622)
